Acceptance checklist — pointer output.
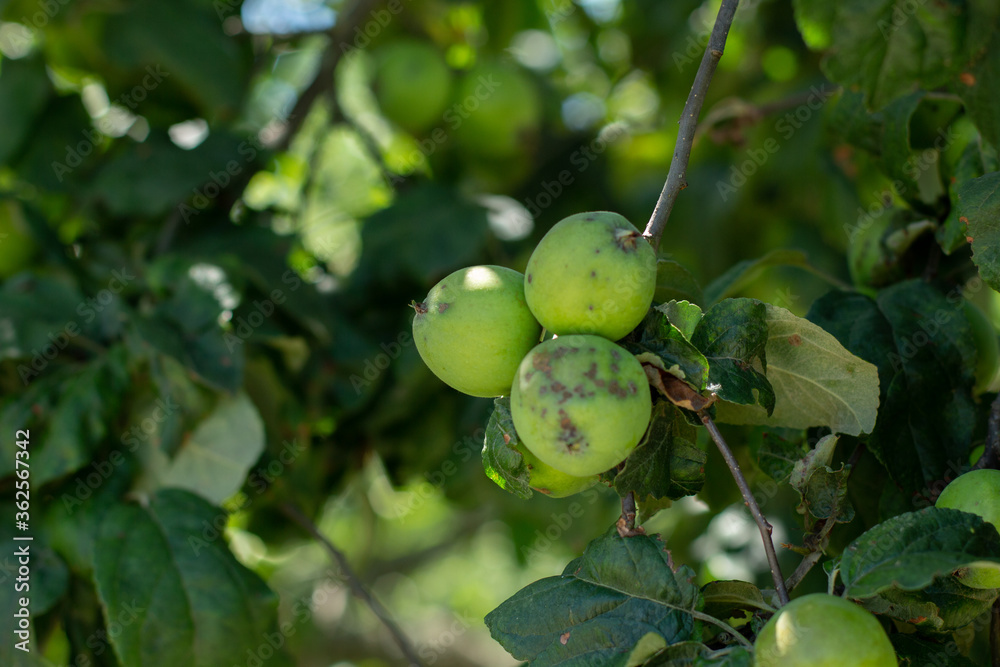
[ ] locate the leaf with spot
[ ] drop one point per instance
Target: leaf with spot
(979, 206)
(666, 464)
(501, 460)
(889, 48)
(733, 337)
(943, 607)
(816, 381)
(601, 606)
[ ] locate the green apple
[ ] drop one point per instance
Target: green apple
(592, 273)
(17, 247)
(580, 403)
(497, 111)
(976, 492)
(987, 348)
(546, 479)
(474, 328)
(412, 84)
(821, 630)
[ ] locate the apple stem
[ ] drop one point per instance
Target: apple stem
(357, 586)
(991, 455)
(751, 503)
(676, 180)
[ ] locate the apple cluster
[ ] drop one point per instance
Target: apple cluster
(580, 403)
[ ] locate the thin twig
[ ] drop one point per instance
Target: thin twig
(689, 123)
(357, 587)
(751, 503)
(991, 455)
(626, 524)
(323, 82)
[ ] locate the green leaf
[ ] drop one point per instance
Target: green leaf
(951, 235)
(213, 357)
(910, 550)
(188, 600)
(978, 89)
(24, 90)
(683, 315)
(777, 451)
(666, 464)
(215, 460)
(914, 179)
(601, 606)
(816, 381)
(943, 607)
(665, 346)
(733, 335)
(745, 272)
(731, 599)
(889, 48)
(916, 651)
(674, 282)
(503, 463)
(823, 490)
(979, 205)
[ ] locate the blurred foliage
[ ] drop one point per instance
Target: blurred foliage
(210, 232)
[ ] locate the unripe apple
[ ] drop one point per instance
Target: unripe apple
(497, 111)
(580, 404)
(591, 273)
(549, 481)
(821, 630)
(412, 84)
(976, 492)
(474, 328)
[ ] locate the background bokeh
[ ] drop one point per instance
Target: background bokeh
(217, 212)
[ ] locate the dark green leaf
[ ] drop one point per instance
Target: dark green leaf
(889, 48)
(666, 464)
(729, 599)
(943, 607)
(600, 607)
(979, 205)
(777, 451)
(978, 87)
(217, 358)
(24, 90)
(442, 232)
(503, 463)
(951, 235)
(188, 601)
(733, 335)
(674, 282)
(923, 345)
(917, 651)
(664, 345)
(910, 550)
